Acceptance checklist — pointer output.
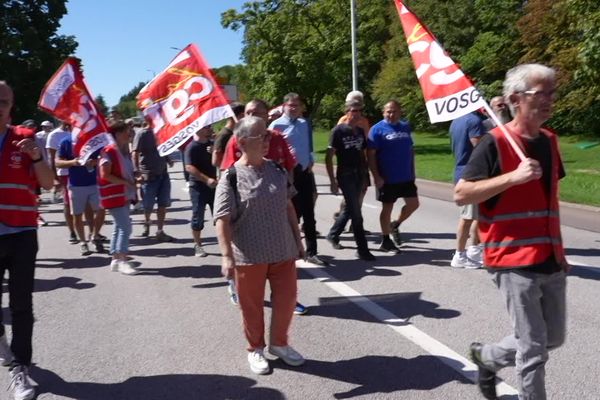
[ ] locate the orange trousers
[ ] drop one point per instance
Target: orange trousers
(250, 281)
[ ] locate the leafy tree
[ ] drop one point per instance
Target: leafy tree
(101, 103)
(304, 46)
(564, 34)
(31, 51)
(127, 104)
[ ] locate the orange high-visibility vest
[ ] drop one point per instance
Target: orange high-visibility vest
(18, 204)
(112, 195)
(523, 228)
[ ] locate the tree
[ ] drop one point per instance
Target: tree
(31, 51)
(304, 46)
(101, 103)
(564, 34)
(127, 106)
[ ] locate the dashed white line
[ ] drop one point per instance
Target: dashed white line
(431, 345)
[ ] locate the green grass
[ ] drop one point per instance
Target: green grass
(434, 161)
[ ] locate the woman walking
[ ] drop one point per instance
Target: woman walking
(259, 239)
(117, 190)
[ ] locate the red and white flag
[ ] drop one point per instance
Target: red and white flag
(182, 99)
(448, 93)
(67, 97)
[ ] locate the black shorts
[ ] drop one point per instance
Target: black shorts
(390, 192)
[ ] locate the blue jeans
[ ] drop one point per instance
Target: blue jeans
(157, 190)
(119, 243)
(351, 184)
(201, 196)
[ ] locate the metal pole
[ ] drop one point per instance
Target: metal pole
(354, 53)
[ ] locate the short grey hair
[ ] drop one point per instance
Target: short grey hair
(244, 127)
(519, 79)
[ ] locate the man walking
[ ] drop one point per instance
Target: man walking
(203, 181)
(297, 132)
(348, 144)
(392, 163)
(84, 195)
(61, 175)
(156, 184)
(22, 169)
(520, 227)
(465, 133)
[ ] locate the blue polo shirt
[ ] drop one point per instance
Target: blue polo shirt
(79, 175)
(298, 134)
(394, 151)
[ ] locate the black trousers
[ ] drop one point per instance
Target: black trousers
(17, 256)
(351, 183)
(304, 203)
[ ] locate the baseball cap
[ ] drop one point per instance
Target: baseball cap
(47, 123)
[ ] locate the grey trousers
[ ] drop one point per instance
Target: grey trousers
(537, 307)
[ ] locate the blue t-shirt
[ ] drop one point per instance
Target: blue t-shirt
(79, 175)
(394, 146)
(462, 129)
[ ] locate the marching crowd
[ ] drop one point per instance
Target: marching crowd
(256, 177)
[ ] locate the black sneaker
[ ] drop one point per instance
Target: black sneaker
(98, 245)
(366, 256)
(486, 378)
(387, 245)
(73, 238)
(334, 241)
(146, 231)
(396, 233)
(85, 251)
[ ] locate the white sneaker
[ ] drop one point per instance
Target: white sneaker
(287, 354)
(475, 253)
(6, 355)
(114, 265)
(20, 383)
(127, 269)
(460, 260)
(258, 363)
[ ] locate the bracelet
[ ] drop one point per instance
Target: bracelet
(37, 160)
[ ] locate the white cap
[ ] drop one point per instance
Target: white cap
(48, 124)
(355, 95)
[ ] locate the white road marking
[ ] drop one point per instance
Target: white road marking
(434, 347)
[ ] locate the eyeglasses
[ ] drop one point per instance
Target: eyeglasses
(541, 93)
(265, 138)
(354, 110)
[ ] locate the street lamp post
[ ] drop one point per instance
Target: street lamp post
(353, 37)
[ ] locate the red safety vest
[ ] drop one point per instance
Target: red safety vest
(523, 228)
(112, 195)
(18, 204)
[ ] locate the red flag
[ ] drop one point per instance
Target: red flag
(448, 93)
(67, 97)
(182, 99)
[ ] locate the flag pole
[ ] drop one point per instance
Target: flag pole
(508, 136)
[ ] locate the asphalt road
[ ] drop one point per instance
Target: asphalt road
(396, 328)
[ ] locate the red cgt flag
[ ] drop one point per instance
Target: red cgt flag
(182, 99)
(67, 97)
(448, 93)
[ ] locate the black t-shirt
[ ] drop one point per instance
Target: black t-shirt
(349, 144)
(199, 155)
(484, 164)
(222, 138)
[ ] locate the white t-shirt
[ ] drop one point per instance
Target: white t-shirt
(53, 142)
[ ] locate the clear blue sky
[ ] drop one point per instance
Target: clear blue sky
(123, 42)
